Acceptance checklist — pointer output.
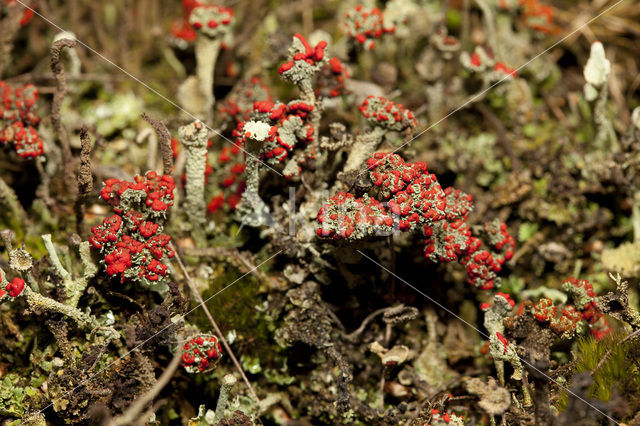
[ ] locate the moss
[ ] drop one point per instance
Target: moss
(235, 309)
(619, 371)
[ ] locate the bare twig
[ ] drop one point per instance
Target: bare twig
(165, 143)
(132, 414)
(353, 336)
(85, 181)
(213, 322)
(56, 118)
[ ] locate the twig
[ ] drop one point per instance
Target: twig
(353, 336)
(165, 143)
(132, 414)
(195, 292)
(61, 90)
(85, 181)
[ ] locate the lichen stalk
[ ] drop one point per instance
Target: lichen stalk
(55, 260)
(38, 301)
(212, 24)
(227, 383)
(206, 51)
(363, 147)
(74, 288)
(251, 209)
(194, 138)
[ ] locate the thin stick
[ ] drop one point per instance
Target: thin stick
(165, 143)
(132, 414)
(85, 180)
(61, 90)
(194, 290)
(354, 335)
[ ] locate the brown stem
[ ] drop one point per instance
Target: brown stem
(165, 143)
(85, 181)
(56, 118)
(213, 322)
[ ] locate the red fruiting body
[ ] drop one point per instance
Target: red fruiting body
(27, 15)
(570, 319)
(290, 130)
(445, 417)
(14, 288)
(312, 55)
(507, 297)
(332, 79)
(344, 216)
(538, 16)
(201, 353)
(131, 241)
(502, 68)
(385, 113)
(364, 25)
(239, 102)
(208, 18)
(417, 202)
(582, 286)
(18, 120)
(503, 340)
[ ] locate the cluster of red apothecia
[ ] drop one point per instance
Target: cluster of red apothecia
(186, 30)
(364, 215)
(18, 120)
(201, 353)
(132, 241)
(416, 202)
(332, 79)
(365, 25)
(383, 112)
(13, 288)
(27, 15)
(566, 320)
(312, 55)
(289, 130)
(231, 162)
(535, 15)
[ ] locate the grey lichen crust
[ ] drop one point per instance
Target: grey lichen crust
(364, 146)
(73, 287)
(194, 138)
(251, 210)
